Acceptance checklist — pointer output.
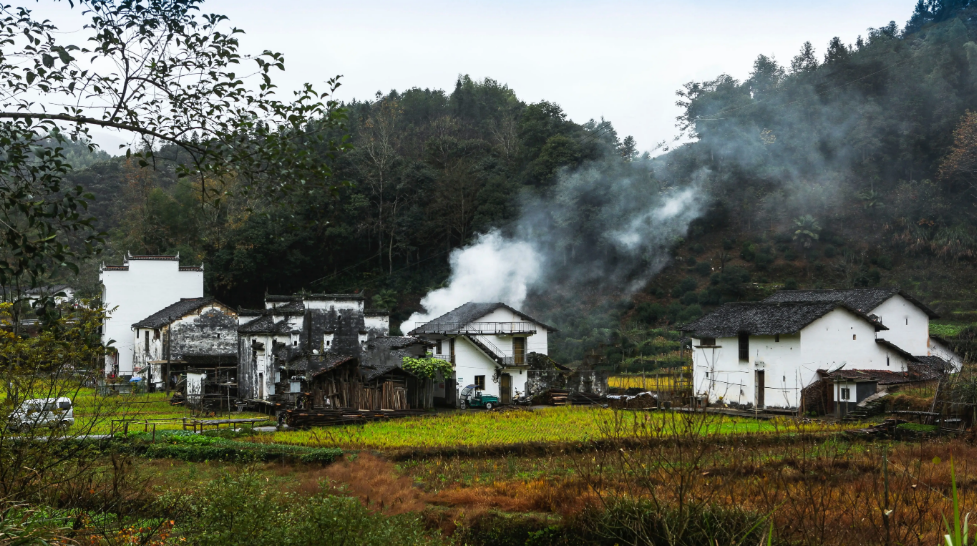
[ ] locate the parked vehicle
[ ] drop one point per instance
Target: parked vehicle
(42, 412)
(472, 397)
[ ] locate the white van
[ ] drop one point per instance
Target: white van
(42, 412)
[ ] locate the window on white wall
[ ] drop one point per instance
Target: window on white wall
(845, 393)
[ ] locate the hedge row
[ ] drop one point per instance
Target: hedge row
(233, 452)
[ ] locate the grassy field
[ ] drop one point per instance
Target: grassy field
(94, 414)
(550, 425)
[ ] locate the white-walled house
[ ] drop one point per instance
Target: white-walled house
(938, 347)
(61, 293)
(191, 335)
(764, 354)
(139, 287)
(906, 319)
(489, 344)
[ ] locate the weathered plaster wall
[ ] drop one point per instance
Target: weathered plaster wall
(212, 330)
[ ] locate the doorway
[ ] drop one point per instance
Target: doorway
(761, 386)
(518, 351)
(261, 386)
(505, 389)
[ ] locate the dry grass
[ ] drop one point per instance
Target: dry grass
(377, 483)
(648, 382)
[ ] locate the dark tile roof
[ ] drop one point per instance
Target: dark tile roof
(288, 308)
(53, 289)
(883, 377)
(934, 363)
(328, 362)
(173, 312)
(160, 257)
(863, 299)
(398, 342)
(327, 297)
(765, 318)
(896, 348)
(468, 313)
(266, 325)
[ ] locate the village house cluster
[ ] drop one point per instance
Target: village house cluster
(798, 350)
(313, 350)
(805, 348)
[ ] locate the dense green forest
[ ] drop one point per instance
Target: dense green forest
(850, 166)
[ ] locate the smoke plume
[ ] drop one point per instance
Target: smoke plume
(608, 224)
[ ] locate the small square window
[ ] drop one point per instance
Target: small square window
(845, 393)
(480, 382)
(853, 336)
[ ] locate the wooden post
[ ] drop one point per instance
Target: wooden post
(154, 432)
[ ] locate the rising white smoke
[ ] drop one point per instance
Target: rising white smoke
(607, 224)
(492, 269)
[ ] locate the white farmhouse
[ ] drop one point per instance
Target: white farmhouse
(764, 354)
(907, 320)
(139, 287)
(489, 344)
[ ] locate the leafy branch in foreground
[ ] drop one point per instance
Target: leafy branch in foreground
(427, 367)
(168, 76)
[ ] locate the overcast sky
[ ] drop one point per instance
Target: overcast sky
(615, 59)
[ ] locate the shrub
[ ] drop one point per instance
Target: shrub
(689, 314)
(243, 509)
(690, 298)
(790, 255)
(688, 284)
(697, 248)
(830, 251)
(791, 284)
(748, 252)
(321, 456)
(690, 261)
(728, 244)
(199, 448)
(732, 282)
(763, 260)
(650, 313)
(710, 296)
(703, 269)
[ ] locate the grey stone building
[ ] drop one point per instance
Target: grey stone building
(197, 335)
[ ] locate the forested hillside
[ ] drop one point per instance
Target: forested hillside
(849, 165)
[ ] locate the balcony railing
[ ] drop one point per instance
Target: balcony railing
(506, 358)
(448, 358)
(477, 328)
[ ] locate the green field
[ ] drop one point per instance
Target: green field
(550, 425)
(95, 414)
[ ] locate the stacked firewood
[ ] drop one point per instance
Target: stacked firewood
(557, 397)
